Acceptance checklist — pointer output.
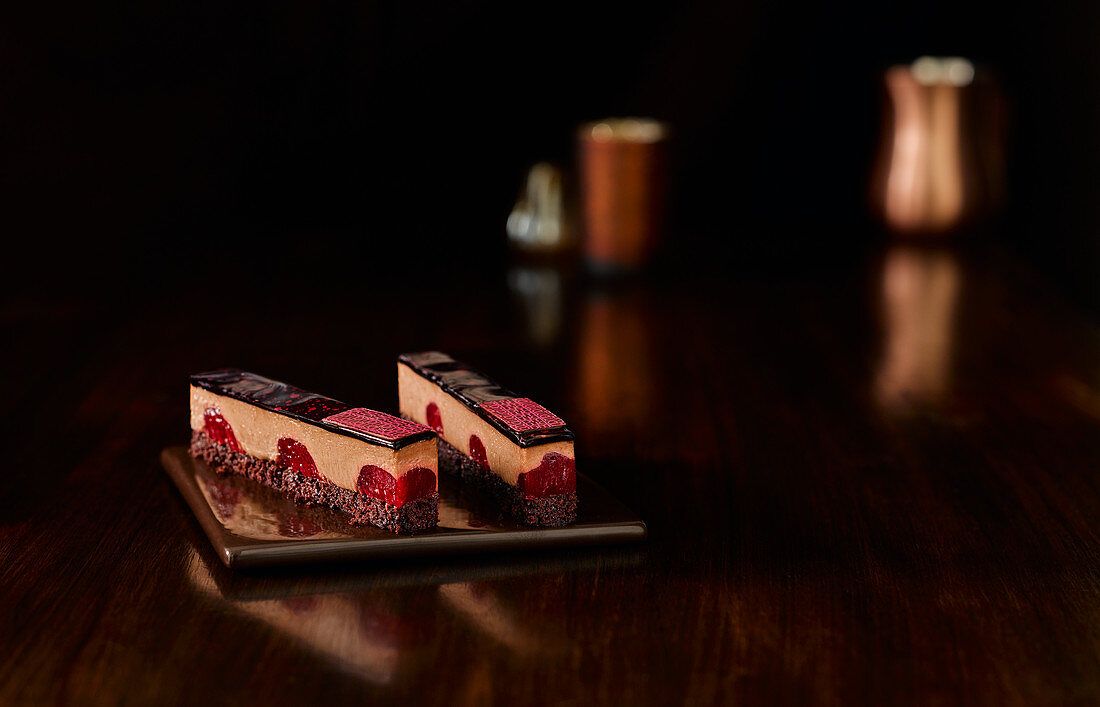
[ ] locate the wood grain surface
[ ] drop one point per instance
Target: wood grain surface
(872, 485)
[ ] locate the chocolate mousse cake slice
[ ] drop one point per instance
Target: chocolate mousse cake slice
(513, 447)
(380, 469)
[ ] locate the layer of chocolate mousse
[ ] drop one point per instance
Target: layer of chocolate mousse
(524, 452)
(380, 469)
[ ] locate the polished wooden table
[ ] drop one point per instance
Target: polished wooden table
(864, 485)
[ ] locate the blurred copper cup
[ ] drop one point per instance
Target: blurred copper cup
(941, 163)
(622, 190)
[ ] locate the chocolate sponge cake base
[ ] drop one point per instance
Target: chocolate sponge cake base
(551, 511)
(421, 514)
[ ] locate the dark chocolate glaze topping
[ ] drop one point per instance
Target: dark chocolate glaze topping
(284, 399)
(472, 389)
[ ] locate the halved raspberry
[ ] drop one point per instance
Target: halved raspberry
(294, 455)
(215, 427)
(376, 482)
(555, 475)
(477, 452)
(435, 420)
(416, 483)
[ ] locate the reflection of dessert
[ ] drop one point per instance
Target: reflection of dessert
(513, 447)
(260, 514)
(378, 468)
(482, 607)
(920, 291)
(357, 632)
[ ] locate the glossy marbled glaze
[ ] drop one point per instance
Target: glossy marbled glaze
(473, 389)
(299, 404)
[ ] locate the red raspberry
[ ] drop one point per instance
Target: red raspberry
(294, 455)
(218, 430)
(435, 421)
(376, 482)
(477, 452)
(555, 475)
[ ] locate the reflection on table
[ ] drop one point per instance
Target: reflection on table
(920, 291)
(375, 624)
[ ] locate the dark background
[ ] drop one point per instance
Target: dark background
(307, 141)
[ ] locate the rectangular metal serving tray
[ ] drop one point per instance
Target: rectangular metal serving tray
(250, 525)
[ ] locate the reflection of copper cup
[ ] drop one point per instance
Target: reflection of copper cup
(616, 366)
(920, 293)
(623, 190)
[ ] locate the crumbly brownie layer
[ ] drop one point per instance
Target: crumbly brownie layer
(420, 514)
(549, 511)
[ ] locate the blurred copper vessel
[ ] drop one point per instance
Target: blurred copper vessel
(941, 163)
(622, 190)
